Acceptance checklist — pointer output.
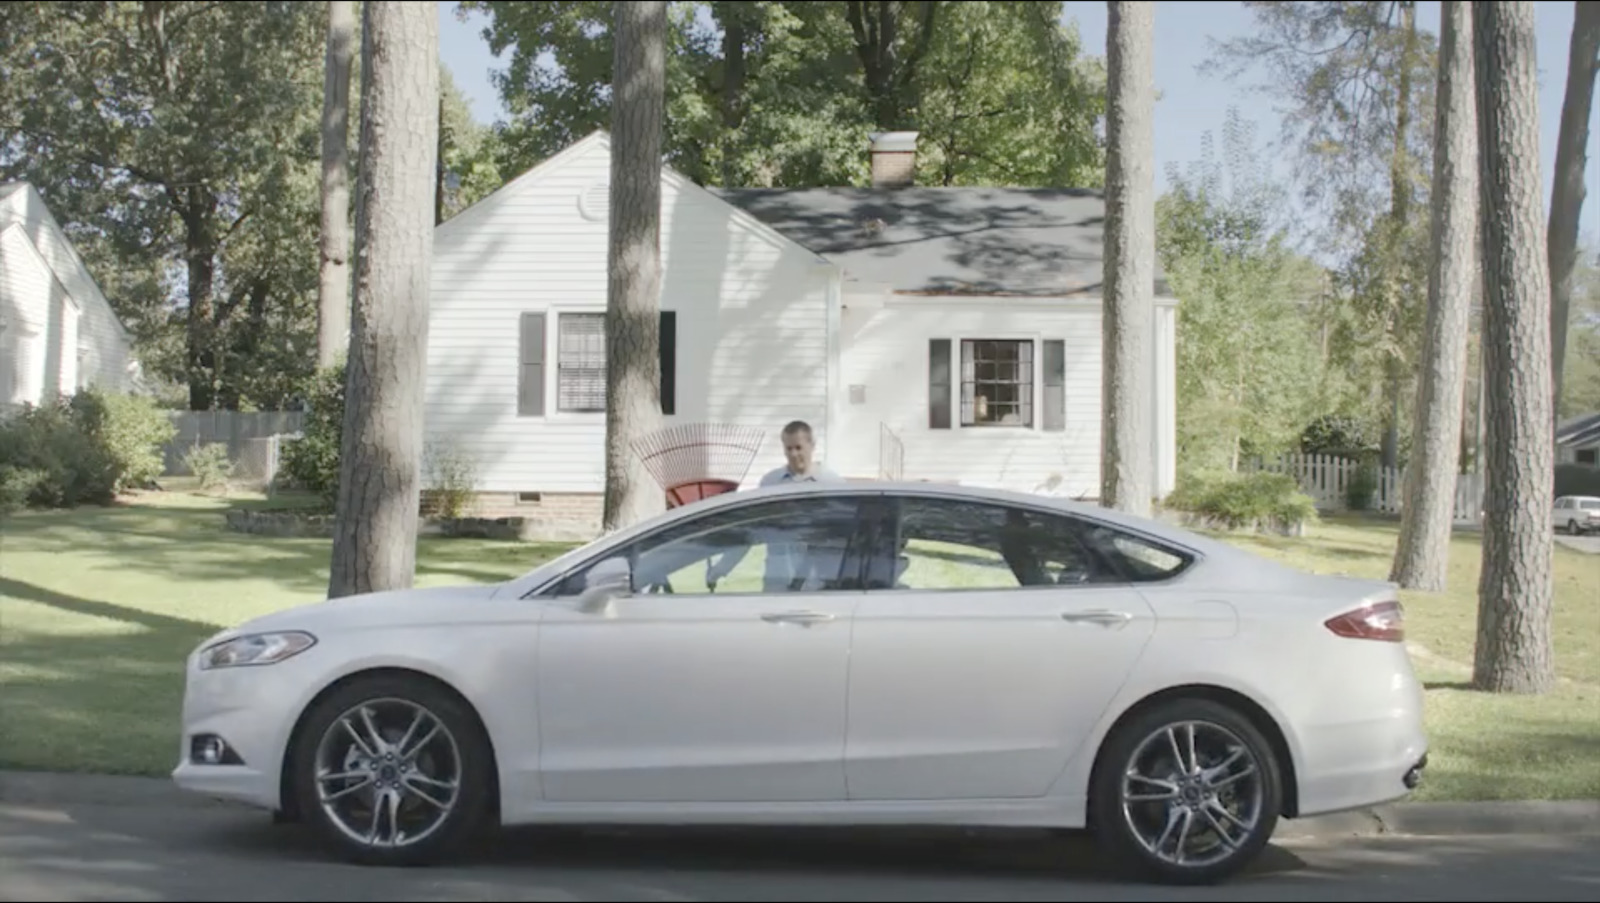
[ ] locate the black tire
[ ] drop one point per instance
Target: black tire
(472, 805)
(1572, 528)
(1112, 828)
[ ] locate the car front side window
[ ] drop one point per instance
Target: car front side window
(781, 546)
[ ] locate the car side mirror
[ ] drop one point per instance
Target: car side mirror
(608, 580)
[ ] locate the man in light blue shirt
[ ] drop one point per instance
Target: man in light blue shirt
(784, 559)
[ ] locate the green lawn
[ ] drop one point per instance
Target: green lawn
(98, 608)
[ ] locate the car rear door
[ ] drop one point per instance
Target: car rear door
(987, 646)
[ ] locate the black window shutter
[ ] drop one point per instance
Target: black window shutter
(1055, 385)
(530, 366)
(938, 384)
(669, 362)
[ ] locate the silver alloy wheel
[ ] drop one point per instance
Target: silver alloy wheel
(388, 772)
(1192, 793)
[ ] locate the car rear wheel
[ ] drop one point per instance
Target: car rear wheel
(393, 770)
(1186, 792)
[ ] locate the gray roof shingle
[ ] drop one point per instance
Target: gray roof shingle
(1040, 242)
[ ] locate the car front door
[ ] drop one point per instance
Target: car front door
(989, 643)
(691, 690)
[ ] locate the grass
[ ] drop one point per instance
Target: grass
(98, 608)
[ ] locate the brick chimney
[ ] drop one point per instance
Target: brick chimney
(894, 159)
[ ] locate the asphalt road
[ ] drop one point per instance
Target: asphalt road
(132, 853)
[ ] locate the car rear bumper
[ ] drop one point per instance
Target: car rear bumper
(1364, 765)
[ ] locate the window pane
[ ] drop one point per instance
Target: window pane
(581, 363)
(956, 545)
(791, 545)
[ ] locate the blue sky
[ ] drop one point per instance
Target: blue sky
(1190, 104)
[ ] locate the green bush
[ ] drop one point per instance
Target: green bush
(130, 428)
(312, 461)
(80, 451)
(210, 465)
(1244, 500)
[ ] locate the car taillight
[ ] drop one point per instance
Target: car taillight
(1384, 621)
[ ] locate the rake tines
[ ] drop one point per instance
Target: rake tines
(699, 452)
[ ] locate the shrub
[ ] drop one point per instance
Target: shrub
(312, 461)
(1252, 500)
(450, 477)
(80, 451)
(210, 465)
(131, 430)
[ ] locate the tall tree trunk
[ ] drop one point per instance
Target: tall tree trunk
(333, 290)
(1514, 589)
(200, 261)
(1566, 201)
(1422, 557)
(633, 367)
(1130, 250)
(374, 546)
(1399, 230)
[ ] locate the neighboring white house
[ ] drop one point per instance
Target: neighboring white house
(57, 331)
(1578, 441)
(964, 322)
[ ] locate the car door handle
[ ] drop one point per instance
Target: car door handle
(1097, 616)
(796, 617)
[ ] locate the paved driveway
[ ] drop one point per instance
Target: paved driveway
(1587, 543)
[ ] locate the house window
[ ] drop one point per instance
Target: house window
(1589, 456)
(996, 382)
(581, 362)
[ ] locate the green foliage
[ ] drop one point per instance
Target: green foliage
(210, 465)
(1249, 500)
(1580, 389)
(312, 461)
(178, 145)
(1248, 363)
(130, 428)
(1363, 484)
(80, 451)
(450, 476)
(785, 93)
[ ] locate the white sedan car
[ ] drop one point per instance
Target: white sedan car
(878, 654)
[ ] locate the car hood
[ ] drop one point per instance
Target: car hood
(437, 605)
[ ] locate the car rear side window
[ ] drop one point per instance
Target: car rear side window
(1139, 559)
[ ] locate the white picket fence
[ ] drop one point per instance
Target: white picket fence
(1327, 480)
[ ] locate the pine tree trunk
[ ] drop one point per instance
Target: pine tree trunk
(333, 290)
(1129, 282)
(1566, 201)
(1422, 556)
(374, 546)
(1514, 589)
(633, 367)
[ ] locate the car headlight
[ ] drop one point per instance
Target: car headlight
(255, 649)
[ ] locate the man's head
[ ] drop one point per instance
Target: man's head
(797, 446)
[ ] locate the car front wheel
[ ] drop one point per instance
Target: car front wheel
(1187, 792)
(393, 770)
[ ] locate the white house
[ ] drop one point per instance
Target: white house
(1578, 441)
(57, 331)
(961, 324)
